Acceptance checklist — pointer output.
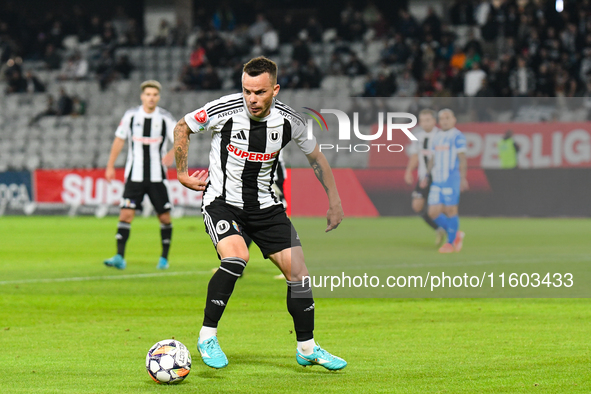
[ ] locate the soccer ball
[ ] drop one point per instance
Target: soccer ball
(168, 361)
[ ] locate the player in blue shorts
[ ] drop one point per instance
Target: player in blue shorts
(447, 168)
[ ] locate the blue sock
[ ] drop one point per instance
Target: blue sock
(453, 223)
(441, 221)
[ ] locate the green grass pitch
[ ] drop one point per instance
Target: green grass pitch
(70, 325)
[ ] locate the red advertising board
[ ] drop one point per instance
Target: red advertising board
(89, 187)
(542, 145)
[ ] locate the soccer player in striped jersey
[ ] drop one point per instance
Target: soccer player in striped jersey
(448, 168)
(248, 130)
(420, 152)
(148, 130)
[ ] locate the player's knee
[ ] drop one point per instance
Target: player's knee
(418, 205)
(434, 212)
(126, 215)
(233, 265)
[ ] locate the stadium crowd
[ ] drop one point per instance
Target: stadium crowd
(479, 48)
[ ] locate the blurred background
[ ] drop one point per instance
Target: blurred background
(70, 69)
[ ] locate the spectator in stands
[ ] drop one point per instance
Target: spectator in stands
(462, 13)
(310, 75)
(16, 83)
(335, 65)
(352, 27)
(426, 86)
(120, 22)
(179, 33)
(270, 42)
(223, 18)
(50, 110)
(458, 60)
(65, 105)
(408, 25)
(397, 52)
(124, 67)
(163, 36)
(446, 48)
(431, 24)
(544, 82)
(78, 106)
(502, 80)
(382, 86)
(34, 85)
(313, 30)
(96, 27)
(76, 68)
(105, 69)
(52, 58)
(301, 52)
(522, 80)
(455, 82)
(259, 27)
(197, 56)
(473, 80)
(189, 78)
(210, 79)
(355, 67)
(109, 36)
(133, 36)
(56, 34)
(485, 89)
(287, 29)
(471, 57)
(490, 30)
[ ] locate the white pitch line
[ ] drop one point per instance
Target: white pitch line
(104, 277)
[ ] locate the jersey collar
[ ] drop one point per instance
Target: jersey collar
(148, 115)
(256, 118)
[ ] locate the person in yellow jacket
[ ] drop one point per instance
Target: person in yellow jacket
(508, 150)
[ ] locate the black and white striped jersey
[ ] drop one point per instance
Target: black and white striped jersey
(147, 137)
(422, 147)
(245, 149)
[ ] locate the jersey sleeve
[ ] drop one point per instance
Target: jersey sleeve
(413, 149)
(460, 143)
(123, 129)
(299, 134)
(198, 120)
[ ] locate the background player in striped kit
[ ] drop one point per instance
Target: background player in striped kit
(448, 168)
(148, 130)
(248, 132)
(420, 152)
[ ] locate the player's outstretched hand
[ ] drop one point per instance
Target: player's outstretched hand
(408, 178)
(197, 181)
(334, 217)
(464, 185)
(110, 174)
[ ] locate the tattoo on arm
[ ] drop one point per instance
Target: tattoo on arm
(181, 146)
(319, 174)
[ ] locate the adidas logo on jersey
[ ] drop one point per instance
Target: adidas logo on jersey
(240, 135)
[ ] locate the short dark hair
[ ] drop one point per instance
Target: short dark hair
(428, 111)
(260, 65)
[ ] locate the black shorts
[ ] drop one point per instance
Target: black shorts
(421, 192)
(134, 193)
(269, 228)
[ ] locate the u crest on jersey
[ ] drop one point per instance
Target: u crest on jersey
(273, 135)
